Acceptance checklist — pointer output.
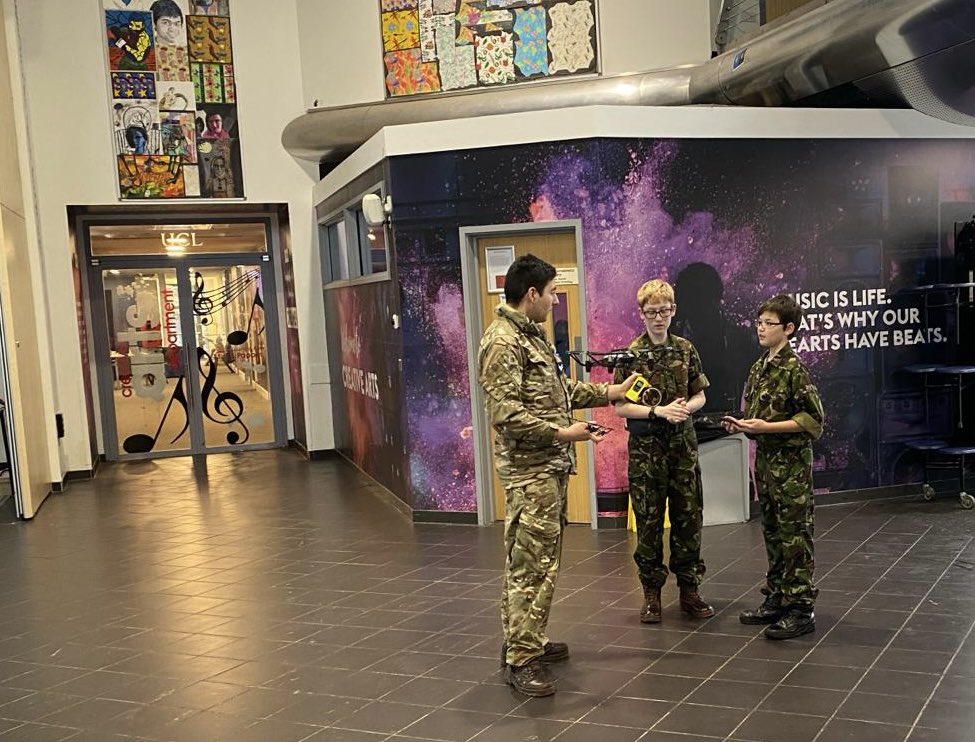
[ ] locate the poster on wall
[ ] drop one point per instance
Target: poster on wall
(174, 115)
(875, 239)
(432, 46)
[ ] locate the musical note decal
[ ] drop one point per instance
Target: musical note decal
(142, 443)
(223, 408)
(239, 337)
(207, 301)
(202, 304)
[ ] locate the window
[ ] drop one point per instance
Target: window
(335, 253)
(350, 248)
(372, 246)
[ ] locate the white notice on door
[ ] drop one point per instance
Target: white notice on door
(497, 260)
(567, 276)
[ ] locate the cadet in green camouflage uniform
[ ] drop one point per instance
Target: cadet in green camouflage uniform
(664, 472)
(784, 414)
(529, 402)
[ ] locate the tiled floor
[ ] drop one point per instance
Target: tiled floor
(260, 597)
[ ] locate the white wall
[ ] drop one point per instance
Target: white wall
(26, 344)
(341, 43)
(64, 57)
(341, 52)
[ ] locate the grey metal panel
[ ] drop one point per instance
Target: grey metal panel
(838, 43)
(332, 133)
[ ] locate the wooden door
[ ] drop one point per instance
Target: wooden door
(564, 329)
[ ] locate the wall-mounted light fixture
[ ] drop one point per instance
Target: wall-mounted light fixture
(375, 210)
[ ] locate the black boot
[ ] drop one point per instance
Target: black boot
(554, 652)
(769, 611)
(650, 613)
(795, 622)
(531, 679)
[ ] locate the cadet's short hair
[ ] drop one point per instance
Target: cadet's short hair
(525, 273)
(655, 292)
(785, 308)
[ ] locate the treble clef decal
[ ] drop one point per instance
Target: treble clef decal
(226, 408)
(206, 301)
(142, 443)
(202, 304)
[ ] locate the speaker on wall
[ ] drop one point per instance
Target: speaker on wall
(913, 201)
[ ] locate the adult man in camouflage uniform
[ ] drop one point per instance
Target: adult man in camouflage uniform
(663, 461)
(784, 414)
(529, 402)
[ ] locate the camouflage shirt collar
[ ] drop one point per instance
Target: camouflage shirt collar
(644, 341)
(519, 320)
(781, 358)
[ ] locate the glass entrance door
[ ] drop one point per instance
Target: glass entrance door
(147, 356)
(230, 327)
(190, 365)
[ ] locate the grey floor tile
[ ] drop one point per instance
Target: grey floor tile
(307, 609)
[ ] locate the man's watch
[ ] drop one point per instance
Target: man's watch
(653, 413)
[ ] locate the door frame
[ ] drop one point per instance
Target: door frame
(469, 264)
(96, 319)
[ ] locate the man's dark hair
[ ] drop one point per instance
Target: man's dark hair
(525, 273)
(786, 309)
(165, 9)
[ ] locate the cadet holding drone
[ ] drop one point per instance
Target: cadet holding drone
(663, 459)
(529, 402)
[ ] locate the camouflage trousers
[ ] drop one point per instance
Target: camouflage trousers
(785, 494)
(533, 525)
(664, 473)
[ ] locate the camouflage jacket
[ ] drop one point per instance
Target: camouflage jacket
(780, 389)
(673, 367)
(528, 398)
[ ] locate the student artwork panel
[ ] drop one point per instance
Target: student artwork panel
(130, 44)
(210, 7)
(213, 83)
(191, 180)
(407, 73)
(178, 132)
(133, 85)
(150, 177)
(209, 39)
(218, 175)
(442, 45)
(168, 22)
(401, 30)
(173, 63)
(570, 39)
(174, 92)
(136, 127)
(176, 96)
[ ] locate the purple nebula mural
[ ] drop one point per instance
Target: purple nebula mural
(855, 229)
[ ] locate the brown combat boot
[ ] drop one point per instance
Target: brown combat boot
(650, 613)
(693, 604)
(531, 679)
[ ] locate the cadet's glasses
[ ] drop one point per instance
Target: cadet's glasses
(662, 313)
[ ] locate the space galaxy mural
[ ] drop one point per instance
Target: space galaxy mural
(868, 234)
